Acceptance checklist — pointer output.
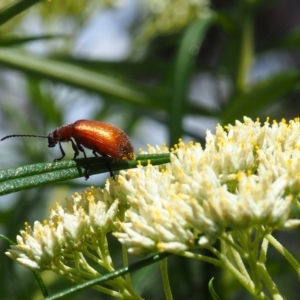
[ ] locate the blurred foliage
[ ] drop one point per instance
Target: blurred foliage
(169, 16)
(244, 55)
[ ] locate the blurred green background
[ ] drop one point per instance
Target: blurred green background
(160, 70)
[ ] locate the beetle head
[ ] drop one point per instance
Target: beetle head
(52, 140)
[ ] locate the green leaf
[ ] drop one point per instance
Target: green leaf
(79, 77)
(289, 42)
(36, 175)
(16, 40)
(7, 239)
(128, 68)
(43, 101)
(103, 84)
(184, 66)
(238, 54)
(260, 95)
(14, 9)
(212, 290)
(110, 276)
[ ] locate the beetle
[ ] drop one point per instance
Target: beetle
(102, 138)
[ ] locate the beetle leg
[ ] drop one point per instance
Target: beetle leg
(108, 163)
(80, 148)
(95, 153)
(62, 152)
(75, 148)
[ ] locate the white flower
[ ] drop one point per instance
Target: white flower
(154, 213)
(91, 214)
(36, 248)
(245, 177)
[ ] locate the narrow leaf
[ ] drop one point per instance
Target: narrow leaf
(78, 77)
(18, 40)
(36, 175)
(110, 276)
(288, 42)
(260, 95)
(14, 9)
(212, 291)
(184, 66)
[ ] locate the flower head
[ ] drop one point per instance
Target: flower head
(48, 245)
(243, 178)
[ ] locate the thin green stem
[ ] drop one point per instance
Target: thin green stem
(249, 252)
(124, 285)
(126, 263)
(285, 253)
(252, 260)
(269, 283)
(248, 284)
(228, 238)
(94, 258)
(104, 253)
(263, 251)
(85, 265)
(165, 278)
(237, 258)
(96, 287)
(296, 202)
(246, 54)
(201, 257)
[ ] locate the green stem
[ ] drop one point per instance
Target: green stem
(123, 285)
(126, 264)
(104, 253)
(263, 251)
(201, 257)
(93, 257)
(252, 260)
(237, 257)
(82, 262)
(228, 238)
(248, 284)
(296, 202)
(165, 279)
(246, 53)
(269, 283)
(285, 253)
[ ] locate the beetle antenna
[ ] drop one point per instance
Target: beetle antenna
(30, 135)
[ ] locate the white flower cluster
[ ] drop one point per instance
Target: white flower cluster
(49, 245)
(246, 177)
